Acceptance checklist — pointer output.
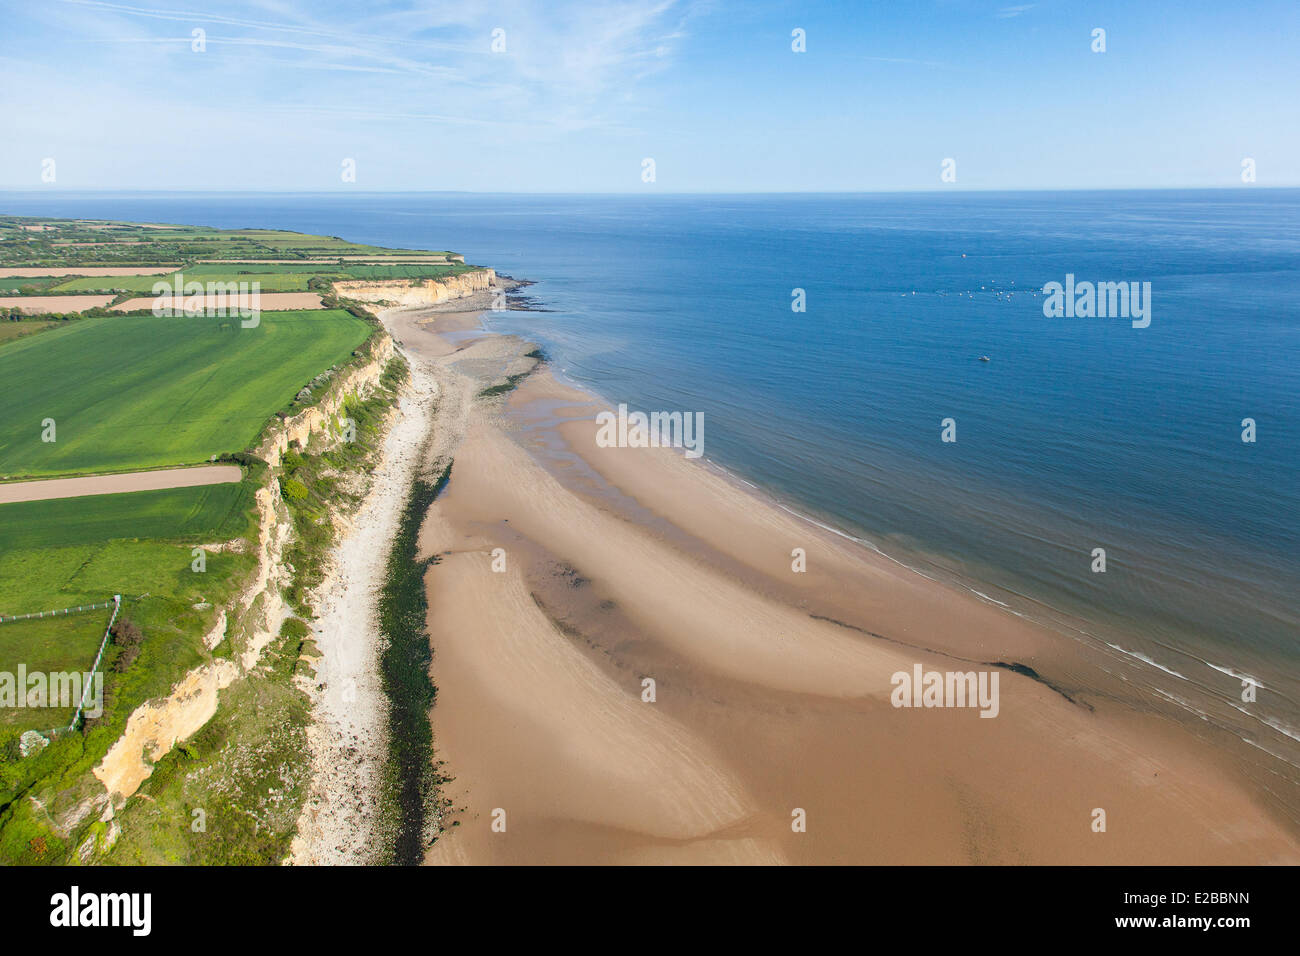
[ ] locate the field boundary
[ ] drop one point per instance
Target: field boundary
(38, 615)
(117, 606)
(155, 479)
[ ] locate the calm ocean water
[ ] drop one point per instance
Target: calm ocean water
(1077, 434)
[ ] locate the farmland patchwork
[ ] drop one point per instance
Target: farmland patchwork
(98, 381)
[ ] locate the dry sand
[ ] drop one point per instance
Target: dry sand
(771, 687)
(113, 484)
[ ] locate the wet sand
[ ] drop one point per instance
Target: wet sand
(570, 574)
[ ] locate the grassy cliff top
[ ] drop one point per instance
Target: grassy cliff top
(65, 243)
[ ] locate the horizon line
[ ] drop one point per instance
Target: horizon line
(224, 190)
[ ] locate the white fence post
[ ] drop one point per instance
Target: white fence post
(117, 606)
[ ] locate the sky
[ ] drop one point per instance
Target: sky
(576, 97)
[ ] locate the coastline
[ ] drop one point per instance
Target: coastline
(347, 736)
(1115, 659)
(622, 564)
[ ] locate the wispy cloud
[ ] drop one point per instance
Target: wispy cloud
(205, 19)
(578, 64)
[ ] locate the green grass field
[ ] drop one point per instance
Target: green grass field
(161, 591)
(57, 554)
(12, 285)
(267, 280)
(412, 270)
(16, 330)
(206, 271)
(66, 644)
(270, 277)
(134, 392)
(141, 284)
(280, 277)
(90, 242)
(38, 579)
(214, 512)
(131, 392)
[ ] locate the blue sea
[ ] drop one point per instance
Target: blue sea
(1077, 434)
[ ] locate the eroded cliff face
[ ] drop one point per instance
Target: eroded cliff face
(315, 419)
(400, 292)
(156, 726)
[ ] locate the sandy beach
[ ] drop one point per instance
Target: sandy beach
(570, 575)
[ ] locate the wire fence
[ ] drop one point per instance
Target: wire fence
(36, 615)
(117, 606)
